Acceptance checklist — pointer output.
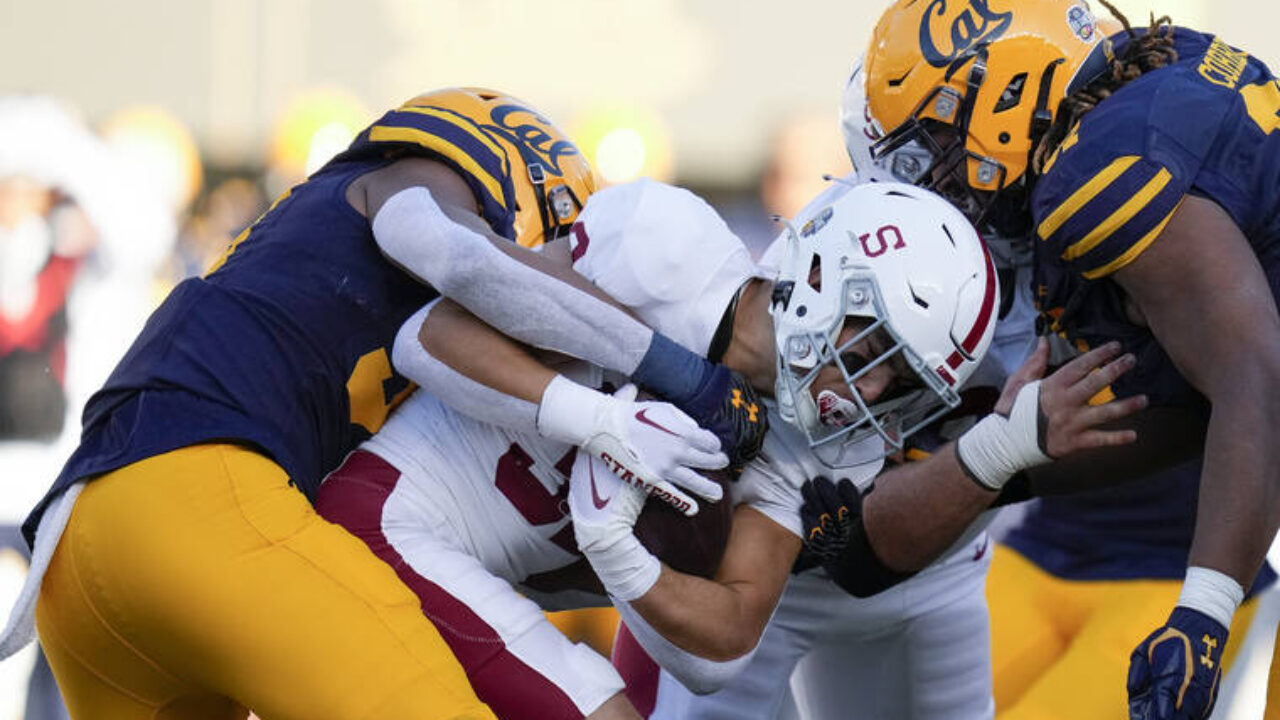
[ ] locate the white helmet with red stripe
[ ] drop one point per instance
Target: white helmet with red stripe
(908, 266)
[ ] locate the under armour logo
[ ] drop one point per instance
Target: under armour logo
(738, 403)
(1210, 644)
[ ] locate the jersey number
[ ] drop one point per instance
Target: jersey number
(1263, 103)
(530, 498)
(373, 390)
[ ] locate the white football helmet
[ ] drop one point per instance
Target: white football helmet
(862, 131)
(913, 267)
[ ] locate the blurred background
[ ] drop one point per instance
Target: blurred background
(137, 137)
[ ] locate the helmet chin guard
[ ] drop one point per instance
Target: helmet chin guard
(874, 275)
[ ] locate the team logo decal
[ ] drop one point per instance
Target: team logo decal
(1081, 22)
(816, 224)
(974, 25)
(531, 132)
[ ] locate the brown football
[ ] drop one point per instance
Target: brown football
(691, 545)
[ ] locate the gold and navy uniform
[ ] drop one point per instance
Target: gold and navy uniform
(1205, 125)
(191, 577)
(1112, 560)
(284, 345)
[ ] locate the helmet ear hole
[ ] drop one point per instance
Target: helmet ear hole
(1011, 97)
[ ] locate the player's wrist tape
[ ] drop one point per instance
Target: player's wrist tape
(1213, 593)
(625, 568)
(671, 370)
(570, 412)
(998, 447)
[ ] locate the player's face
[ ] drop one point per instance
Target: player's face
(881, 380)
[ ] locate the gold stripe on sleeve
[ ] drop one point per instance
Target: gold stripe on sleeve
(1082, 196)
(1132, 253)
(1122, 215)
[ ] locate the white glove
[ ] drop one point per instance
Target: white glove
(997, 447)
(652, 445)
(604, 508)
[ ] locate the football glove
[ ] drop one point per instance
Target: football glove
(731, 408)
(651, 445)
(835, 537)
(604, 508)
(1174, 674)
(717, 398)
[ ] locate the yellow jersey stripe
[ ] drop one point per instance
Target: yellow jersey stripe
(1122, 215)
(1132, 253)
(467, 127)
(1082, 196)
(389, 133)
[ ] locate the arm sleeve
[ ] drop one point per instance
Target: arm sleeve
(454, 389)
(700, 675)
(513, 297)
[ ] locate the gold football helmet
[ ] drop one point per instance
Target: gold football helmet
(552, 179)
(978, 82)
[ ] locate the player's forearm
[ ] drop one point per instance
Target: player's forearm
(480, 354)
(454, 388)
(705, 618)
(1237, 516)
(515, 290)
(723, 618)
(919, 509)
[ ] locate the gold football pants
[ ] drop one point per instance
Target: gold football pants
(1060, 648)
(197, 584)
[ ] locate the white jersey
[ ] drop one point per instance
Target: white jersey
(771, 483)
(500, 495)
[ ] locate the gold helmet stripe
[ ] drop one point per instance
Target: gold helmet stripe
(391, 133)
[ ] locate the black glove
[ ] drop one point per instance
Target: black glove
(834, 535)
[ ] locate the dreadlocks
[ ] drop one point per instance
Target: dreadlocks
(1141, 54)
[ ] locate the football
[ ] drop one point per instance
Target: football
(691, 545)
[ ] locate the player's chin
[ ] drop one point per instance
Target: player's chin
(693, 545)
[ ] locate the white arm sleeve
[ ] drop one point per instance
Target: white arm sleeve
(700, 675)
(518, 300)
(454, 389)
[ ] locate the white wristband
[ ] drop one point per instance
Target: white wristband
(997, 447)
(625, 568)
(569, 411)
(1213, 593)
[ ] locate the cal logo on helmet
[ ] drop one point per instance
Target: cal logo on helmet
(944, 38)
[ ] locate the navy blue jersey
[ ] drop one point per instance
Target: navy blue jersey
(284, 345)
(1204, 126)
(1201, 126)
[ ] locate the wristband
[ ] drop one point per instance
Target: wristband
(671, 370)
(998, 447)
(625, 568)
(1211, 592)
(569, 411)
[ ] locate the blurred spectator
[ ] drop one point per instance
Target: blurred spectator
(230, 207)
(82, 227)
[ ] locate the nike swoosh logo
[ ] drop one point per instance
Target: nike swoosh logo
(645, 419)
(977, 554)
(595, 494)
